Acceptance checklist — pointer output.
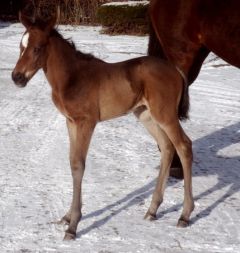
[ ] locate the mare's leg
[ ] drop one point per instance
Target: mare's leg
(80, 133)
(143, 114)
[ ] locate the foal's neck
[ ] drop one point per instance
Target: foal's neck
(61, 49)
(68, 47)
(63, 60)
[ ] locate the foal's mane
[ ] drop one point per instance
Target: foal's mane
(69, 42)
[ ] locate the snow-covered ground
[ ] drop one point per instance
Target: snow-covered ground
(129, 3)
(122, 165)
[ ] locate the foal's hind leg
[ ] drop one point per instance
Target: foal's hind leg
(166, 159)
(167, 119)
(183, 147)
(143, 114)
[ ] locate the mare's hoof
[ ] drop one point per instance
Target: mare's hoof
(176, 172)
(69, 236)
(182, 223)
(150, 216)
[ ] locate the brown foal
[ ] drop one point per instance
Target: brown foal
(88, 90)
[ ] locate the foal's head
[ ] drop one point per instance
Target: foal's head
(33, 49)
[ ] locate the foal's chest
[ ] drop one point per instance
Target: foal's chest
(58, 102)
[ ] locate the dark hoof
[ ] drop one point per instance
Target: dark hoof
(150, 217)
(69, 236)
(182, 223)
(176, 173)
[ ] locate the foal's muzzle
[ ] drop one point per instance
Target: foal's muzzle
(19, 79)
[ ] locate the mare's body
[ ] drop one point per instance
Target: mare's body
(185, 31)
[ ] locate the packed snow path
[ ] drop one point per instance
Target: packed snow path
(122, 164)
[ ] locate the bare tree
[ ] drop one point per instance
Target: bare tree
(71, 11)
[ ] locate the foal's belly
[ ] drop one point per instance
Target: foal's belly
(116, 98)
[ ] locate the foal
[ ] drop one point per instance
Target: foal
(88, 90)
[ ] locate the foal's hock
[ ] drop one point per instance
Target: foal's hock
(88, 90)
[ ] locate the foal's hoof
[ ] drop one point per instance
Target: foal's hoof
(69, 236)
(182, 223)
(149, 216)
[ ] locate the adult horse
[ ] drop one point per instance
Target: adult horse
(185, 31)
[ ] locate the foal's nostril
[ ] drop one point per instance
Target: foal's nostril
(19, 78)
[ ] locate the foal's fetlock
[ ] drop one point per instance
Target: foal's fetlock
(69, 235)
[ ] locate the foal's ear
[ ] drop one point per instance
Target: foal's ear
(51, 23)
(26, 20)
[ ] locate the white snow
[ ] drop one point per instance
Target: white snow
(129, 3)
(122, 164)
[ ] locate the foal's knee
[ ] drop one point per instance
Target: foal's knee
(77, 164)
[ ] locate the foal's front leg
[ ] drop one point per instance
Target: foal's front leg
(80, 132)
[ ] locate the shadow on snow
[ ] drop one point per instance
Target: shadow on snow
(206, 148)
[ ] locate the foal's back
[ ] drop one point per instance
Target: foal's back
(126, 85)
(85, 85)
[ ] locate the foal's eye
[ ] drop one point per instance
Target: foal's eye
(36, 50)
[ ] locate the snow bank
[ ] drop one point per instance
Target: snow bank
(129, 3)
